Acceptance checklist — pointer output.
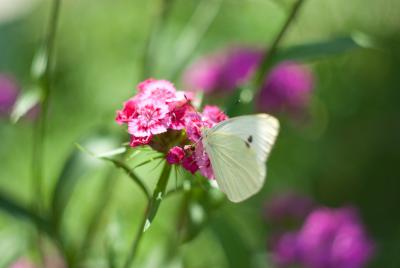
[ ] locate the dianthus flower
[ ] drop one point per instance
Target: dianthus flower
(329, 238)
(223, 71)
(165, 119)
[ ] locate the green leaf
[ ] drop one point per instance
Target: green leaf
(313, 51)
(76, 166)
(25, 103)
(158, 195)
(237, 251)
(39, 63)
(193, 33)
(13, 208)
(131, 173)
(317, 50)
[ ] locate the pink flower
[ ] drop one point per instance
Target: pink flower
(178, 116)
(204, 74)
(8, 94)
(137, 141)
(152, 118)
(223, 71)
(189, 163)
(194, 123)
(127, 113)
(213, 114)
(203, 162)
(175, 155)
(161, 117)
(162, 90)
(157, 88)
(288, 87)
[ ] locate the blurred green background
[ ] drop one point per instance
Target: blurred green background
(347, 154)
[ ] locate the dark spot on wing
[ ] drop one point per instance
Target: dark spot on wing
(250, 139)
(247, 144)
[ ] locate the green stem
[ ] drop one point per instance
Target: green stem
(40, 126)
(39, 131)
(268, 55)
(98, 214)
(131, 174)
(150, 212)
(191, 36)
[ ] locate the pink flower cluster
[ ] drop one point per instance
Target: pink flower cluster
(164, 118)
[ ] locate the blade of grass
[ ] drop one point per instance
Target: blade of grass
(194, 31)
(265, 62)
(13, 208)
(150, 212)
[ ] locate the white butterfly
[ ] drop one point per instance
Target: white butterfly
(238, 149)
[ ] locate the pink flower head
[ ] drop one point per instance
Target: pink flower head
(189, 163)
(285, 250)
(204, 74)
(165, 119)
(203, 162)
(128, 112)
(152, 118)
(287, 87)
(137, 141)
(194, 123)
(333, 238)
(213, 115)
(178, 116)
(222, 71)
(157, 89)
(163, 90)
(288, 208)
(8, 94)
(175, 155)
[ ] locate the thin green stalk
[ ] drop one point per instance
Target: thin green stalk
(268, 55)
(131, 174)
(98, 214)
(193, 33)
(44, 80)
(150, 212)
(161, 12)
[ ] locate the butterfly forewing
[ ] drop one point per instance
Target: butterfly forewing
(238, 149)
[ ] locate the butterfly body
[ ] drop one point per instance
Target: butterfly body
(238, 149)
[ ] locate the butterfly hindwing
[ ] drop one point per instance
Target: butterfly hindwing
(238, 149)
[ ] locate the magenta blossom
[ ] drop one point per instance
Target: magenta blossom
(329, 238)
(285, 250)
(164, 118)
(222, 71)
(334, 238)
(175, 155)
(288, 208)
(151, 118)
(203, 162)
(8, 94)
(287, 88)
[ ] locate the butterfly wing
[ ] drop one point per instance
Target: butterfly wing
(238, 149)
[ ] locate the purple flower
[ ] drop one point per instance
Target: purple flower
(8, 94)
(289, 207)
(175, 155)
(285, 250)
(333, 238)
(222, 71)
(286, 88)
